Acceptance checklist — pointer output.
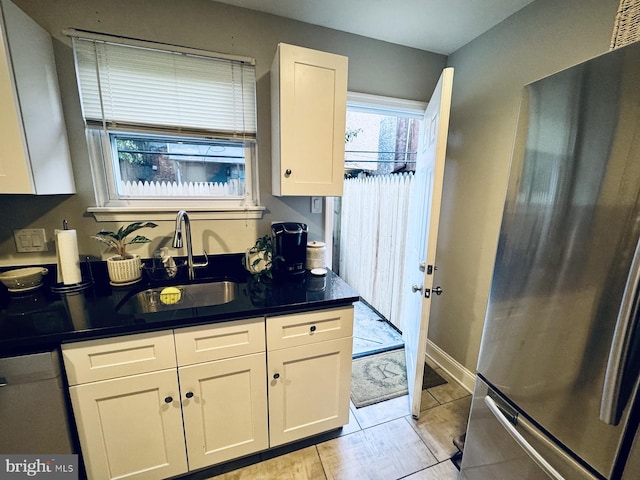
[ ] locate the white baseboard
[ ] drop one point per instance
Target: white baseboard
(439, 358)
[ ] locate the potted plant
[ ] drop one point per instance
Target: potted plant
(124, 268)
(258, 260)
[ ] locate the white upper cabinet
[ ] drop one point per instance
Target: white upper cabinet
(34, 152)
(308, 111)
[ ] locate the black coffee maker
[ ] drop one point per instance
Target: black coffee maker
(290, 248)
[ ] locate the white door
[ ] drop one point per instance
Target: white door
(424, 212)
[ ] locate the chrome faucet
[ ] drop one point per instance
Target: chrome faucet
(177, 242)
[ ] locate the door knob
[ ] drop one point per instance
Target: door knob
(287, 172)
(416, 288)
(438, 290)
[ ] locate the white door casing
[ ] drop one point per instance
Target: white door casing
(424, 212)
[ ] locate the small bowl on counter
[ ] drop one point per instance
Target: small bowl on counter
(23, 279)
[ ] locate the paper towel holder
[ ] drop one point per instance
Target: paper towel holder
(61, 288)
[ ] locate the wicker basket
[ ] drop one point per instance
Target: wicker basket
(626, 28)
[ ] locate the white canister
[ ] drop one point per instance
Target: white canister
(316, 255)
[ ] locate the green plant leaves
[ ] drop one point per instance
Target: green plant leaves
(118, 240)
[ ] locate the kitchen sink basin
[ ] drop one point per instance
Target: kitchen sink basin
(161, 299)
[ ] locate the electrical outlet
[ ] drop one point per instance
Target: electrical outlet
(30, 240)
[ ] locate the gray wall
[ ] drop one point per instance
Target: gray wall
(490, 72)
(374, 67)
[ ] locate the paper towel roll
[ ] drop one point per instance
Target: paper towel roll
(68, 257)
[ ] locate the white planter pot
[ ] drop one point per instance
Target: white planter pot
(256, 262)
(123, 271)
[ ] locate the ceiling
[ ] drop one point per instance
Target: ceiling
(440, 26)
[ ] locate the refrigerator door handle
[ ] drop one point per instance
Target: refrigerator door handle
(521, 441)
(619, 351)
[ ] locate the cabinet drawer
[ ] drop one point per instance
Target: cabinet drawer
(305, 328)
(107, 358)
(222, 340)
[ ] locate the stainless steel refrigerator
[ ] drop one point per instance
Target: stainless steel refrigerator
(557, 386)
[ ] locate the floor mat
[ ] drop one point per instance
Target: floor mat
(383, 376)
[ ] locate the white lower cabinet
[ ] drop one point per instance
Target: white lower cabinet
(225, 409)
(309, 368)
(220, 390)
(131, 427)
(309, 390)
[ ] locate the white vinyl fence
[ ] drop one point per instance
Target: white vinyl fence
(182, 189)
(373, 234)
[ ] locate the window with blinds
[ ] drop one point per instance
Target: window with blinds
(167, 122)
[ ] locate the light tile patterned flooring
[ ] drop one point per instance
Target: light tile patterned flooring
(381, 442)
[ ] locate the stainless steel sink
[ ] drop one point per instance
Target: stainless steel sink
(175, 297)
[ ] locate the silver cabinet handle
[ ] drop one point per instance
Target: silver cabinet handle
(520, 440)
(619, 351)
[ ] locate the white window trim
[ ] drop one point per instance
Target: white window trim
(107, 209)
(125, 214)
(366, 102)
(110, 210)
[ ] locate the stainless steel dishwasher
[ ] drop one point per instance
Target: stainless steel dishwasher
(33, 408)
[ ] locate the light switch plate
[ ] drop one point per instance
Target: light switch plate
(316, 204)
(30, 240)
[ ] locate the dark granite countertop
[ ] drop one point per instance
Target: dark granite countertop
(43, 319)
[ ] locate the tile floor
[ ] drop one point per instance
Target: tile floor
(381, 442)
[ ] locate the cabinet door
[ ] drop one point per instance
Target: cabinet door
(309, 98)
(308, 389)
(225, 409)
(131, 427)
(34, 152)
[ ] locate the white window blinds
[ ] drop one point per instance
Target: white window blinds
(124, 86)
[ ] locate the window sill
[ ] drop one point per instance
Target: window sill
(159, 213)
